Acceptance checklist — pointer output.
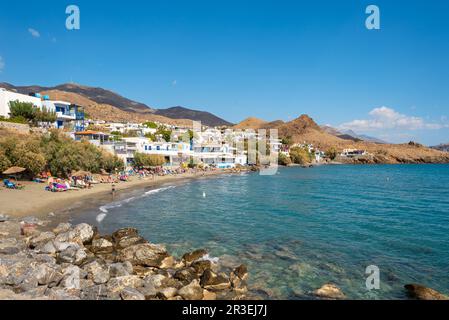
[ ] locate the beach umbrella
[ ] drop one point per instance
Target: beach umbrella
(14, 170)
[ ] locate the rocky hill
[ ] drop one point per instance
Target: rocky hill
(206, 118)
(442, 147)
(126, 108)
(305, 129)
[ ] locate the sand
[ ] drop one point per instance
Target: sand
(35, 201)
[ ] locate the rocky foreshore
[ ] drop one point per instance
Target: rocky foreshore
(77, 263)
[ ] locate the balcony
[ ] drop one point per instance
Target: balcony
(65, 115)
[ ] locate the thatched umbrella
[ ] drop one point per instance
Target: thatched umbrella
(14, 170)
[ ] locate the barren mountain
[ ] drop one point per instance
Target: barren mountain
(104, 97)
(100, 111)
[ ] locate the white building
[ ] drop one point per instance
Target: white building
(8, 96)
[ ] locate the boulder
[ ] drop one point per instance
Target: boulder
(420, 292)
(120, 269)
(238, 278)
(147, 254)
(167, 293)
(194, 255)
(124, 232)
(192, 291)
(61, 228)
(120, 283)
(101, 245)
(186, 275)
(81, 234)
(47, 248)
(212, 281)
(329, 291)
(131, 294)
(155, 280)
(209, 295)
(28, 229)
(201, 265)
(71, 278)
(128, 241)
(148, 291)
(48, 274)
(43, 237)
(97, 273)
(10, 246)
(94, 292)
(68, 255)
(4, 217)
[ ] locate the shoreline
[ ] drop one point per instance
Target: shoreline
(35, 201)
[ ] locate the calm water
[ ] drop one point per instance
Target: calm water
(304, 227)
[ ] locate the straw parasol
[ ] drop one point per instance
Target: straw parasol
(14, 170)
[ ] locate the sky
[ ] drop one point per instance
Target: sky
(267, 59)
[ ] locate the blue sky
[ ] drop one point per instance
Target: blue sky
(269, 59)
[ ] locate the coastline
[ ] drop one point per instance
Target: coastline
(35, 201)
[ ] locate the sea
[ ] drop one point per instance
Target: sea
(301, 228)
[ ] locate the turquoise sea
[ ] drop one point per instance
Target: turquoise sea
(302, 228)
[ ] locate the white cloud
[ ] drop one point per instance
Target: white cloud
(2, 64)
(384, 118)
(34, 32)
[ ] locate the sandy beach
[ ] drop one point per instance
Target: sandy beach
(35, 201)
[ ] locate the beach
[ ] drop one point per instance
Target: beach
(35, 201)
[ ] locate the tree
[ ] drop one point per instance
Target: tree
(44, 115)
(300, 155)
(22, 109)
(288, 141)
(4, 161)
(164, 132)
(150, 125)
(284, 160)
(148, 160)
(331, 153)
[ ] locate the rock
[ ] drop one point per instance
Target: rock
(167, 293)
(94, 292)
(148, 291)
(47, 248)
(120, 283)
(124, 232)
(192, 291)
(80, 256)
(43, 237)
(420, 292)
(212, 281)
(131, 294)
(32, 220)
(128, 241)
(201, 265)
(63, 294)
(119, 269)
(4, 217)
(71, 278)
(81, 234)
(68, 255)
(101, 245)
(238, 278)
(154, 280)
(147, 254)
(28, 229)
(97, 273)
(61, 228)
(168, 262)
(194, 255)
(186, 275)
(209, 295)
(47, 274)
(329, 291)
(10, 246)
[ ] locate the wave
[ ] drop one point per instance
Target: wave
(118, 204)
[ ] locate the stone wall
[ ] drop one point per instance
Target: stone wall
(15, 126)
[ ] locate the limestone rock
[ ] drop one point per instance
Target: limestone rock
(192, 291)
(97, 273)
(420, 292)
(43, 237)
(131, 294)
(329, 291)
(61, 228)
(194, 255)
(147, 254)
(101, 245)
(120, 283)
(212, 281)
